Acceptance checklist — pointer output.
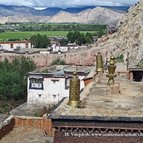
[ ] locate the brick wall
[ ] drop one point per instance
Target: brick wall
(35, 122)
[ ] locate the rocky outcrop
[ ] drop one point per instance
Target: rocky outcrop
(129, 37)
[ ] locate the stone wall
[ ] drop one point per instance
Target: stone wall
(86, 57)
(7, 126)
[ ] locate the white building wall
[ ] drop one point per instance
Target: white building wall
(57, 48)
(53, 91)
(8, 47)
(63, 49)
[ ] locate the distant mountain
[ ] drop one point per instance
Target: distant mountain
(18, 10)
(88, 14)
(98, 15)
(118, 8)
(24, 19)
(54, 10)
(51, 11)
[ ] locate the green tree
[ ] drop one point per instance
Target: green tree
(12, 78)
(79, 38)
(89, 38)
(39, 41)
(63, 42)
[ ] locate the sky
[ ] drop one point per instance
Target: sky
(67, 3)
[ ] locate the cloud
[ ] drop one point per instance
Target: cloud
(17, 2)
(66, 3)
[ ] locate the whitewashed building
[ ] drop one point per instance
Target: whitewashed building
(52, 86)
(57, 48)
(12, 46)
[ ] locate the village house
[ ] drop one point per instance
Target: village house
(14, 45)
(57, 48)
(51, 85)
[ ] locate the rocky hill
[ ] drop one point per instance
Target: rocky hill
(98, 15)
(128, 38)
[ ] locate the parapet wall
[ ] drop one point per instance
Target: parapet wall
(7, 126)
(42, 123)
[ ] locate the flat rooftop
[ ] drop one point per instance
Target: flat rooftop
(26, 135)
(61, 70)
(97, 104)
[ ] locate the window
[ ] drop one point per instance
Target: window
(26, 45)
(54, 96)
(36, 83)
(11, 45)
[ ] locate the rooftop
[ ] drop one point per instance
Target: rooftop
(98, 104)
(61, 70)
(26, 135)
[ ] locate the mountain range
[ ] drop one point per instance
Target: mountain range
(88, 14)
(51, 11)
(98, 15)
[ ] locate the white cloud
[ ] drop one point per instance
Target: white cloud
(17, 2)
(66, 3)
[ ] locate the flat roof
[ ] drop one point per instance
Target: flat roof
(98, 105)
(61, 71)
(26, 135)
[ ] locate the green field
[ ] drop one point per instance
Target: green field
(4, 36)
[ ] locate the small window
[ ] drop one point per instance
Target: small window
(11, 45)
(26, 45)
(36, 83)
(40, 95)
(54, 96)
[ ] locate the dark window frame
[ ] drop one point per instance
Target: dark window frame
(11, 46)
(37, 80)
